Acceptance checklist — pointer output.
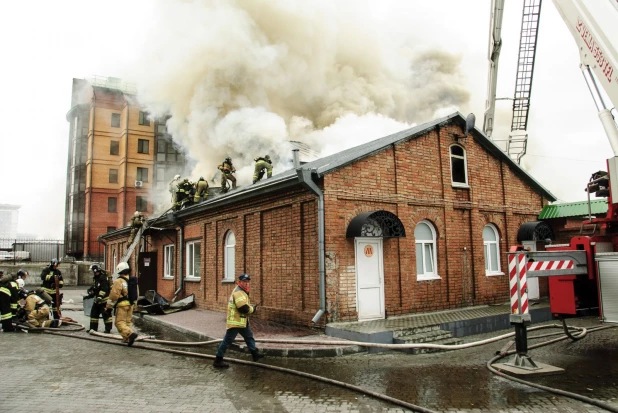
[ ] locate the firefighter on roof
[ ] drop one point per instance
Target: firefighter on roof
(201, 190)
(173, 187)
(262, 164)
(227, 169)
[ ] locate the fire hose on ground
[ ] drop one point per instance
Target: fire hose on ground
(582, 332)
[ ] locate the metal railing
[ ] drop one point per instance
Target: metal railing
(34, 250)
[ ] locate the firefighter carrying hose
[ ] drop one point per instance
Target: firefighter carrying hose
(227, 169)
(51, 278)
(100, 292)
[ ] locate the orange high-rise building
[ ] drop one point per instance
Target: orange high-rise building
(117, 155)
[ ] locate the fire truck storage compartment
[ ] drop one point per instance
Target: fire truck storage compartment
(607, 265)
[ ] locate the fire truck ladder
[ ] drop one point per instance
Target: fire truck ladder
(518, 139)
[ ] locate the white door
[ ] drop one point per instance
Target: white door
(369, 278)
(532, 282)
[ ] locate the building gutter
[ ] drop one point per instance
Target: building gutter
(304, 177)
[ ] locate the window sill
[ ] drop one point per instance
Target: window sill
(192, 279)
(462, 186)
(227, 281)
(167, 277)
(493, 274)
(429, 278)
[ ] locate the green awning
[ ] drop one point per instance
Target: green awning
(574, 209)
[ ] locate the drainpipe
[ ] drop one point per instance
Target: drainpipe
(304, 176)
(180, 260)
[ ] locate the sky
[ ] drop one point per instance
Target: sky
(243, 77)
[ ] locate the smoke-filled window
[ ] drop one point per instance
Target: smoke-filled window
(143, 146)
(143, 118)
(115, 120)
(113, 176)
(141, 204)
(459, 176)
(114, 147)
(142, 174)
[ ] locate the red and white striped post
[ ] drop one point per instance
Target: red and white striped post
(520, 316)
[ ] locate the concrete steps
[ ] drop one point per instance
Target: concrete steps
(424, 335)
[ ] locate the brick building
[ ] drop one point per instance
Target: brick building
(116, 155)
(416, 221)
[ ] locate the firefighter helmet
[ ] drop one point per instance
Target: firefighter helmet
(22, 273)
(20, 283)
(244, 277)
(54, 262)
(95, 268)
(267, 157)
(123, 268)
(177, 177)
(136, 214)
(228, 159)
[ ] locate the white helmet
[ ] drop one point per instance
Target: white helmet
(123, 268)
(177, 177)
(20, 283)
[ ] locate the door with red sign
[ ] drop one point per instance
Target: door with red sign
(369, 278)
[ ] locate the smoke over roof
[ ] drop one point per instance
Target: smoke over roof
(242, 79)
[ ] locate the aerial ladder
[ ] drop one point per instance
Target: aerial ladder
(517, 142)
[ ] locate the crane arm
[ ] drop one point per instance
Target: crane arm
(495, 44)
(594, 26)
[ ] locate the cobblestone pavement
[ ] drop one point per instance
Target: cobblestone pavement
(70, 375)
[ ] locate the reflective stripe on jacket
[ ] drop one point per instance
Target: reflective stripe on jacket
(236, 319)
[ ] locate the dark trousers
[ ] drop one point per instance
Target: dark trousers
(231, 334)
(54, 306)
(95, 312)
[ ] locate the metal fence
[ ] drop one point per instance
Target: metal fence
(34, 250)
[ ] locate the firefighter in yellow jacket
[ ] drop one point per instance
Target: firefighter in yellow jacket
(120, 298)
(238, 310)
(227, 171)
(37, 308)
(262, 164)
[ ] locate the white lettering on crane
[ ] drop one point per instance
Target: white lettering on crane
(596, 51)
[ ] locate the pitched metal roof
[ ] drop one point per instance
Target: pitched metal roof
(332, 163)
(574, 209)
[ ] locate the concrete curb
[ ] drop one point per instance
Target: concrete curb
(312, 352)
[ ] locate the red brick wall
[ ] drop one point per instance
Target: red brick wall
(277, 234)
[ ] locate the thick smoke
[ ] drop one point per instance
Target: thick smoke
(244, 78)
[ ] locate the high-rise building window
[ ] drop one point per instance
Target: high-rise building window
(111, 204)
(115, 120)
(142, 145)
(143, 118)
(113, 176)
(141, 204)
(142, 174)
(114, 147)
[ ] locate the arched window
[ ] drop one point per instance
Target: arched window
(459, 174)
(230, 256)
(491, 245)
(426, 260)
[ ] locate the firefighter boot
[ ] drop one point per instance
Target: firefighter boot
(132, 338)
(256, 355)
(220, 364)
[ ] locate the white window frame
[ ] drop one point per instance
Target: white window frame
(191, 273)
(168, 261)
(433, 275)
(486, 250)
(229, 257)
(465, 163)
(114, 260)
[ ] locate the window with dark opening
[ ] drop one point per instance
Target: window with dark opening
(459, 177)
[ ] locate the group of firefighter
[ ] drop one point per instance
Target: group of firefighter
(185, 193)
(32, 309)
(21, 309)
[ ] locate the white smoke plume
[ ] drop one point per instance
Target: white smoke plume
(243, 78)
